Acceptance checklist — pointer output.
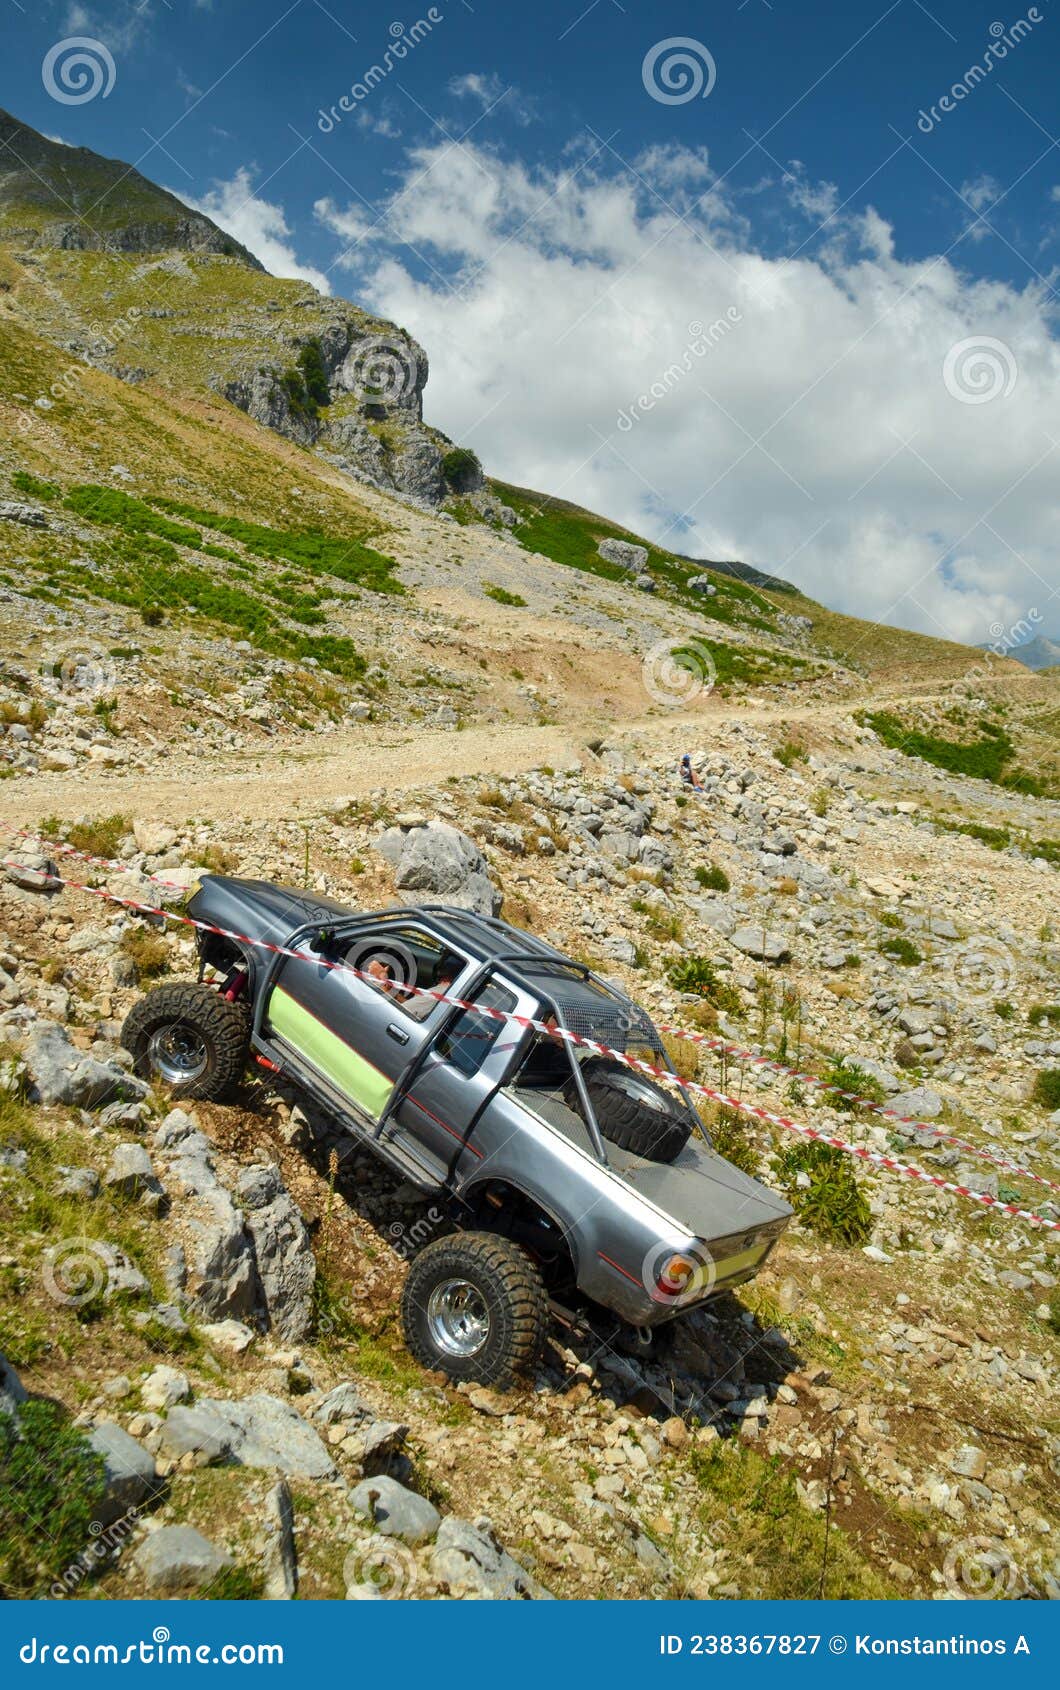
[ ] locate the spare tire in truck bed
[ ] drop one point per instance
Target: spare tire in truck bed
(631, 1110)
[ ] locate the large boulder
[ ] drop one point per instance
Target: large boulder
(626, 555)
(285, 1262)
(130, 1475)
(257, 1431)
(176, 1558)
(470, 1558)
(395, 1511)
(215, 1271)
(60, 1073)
(441, 860)
(759, 943)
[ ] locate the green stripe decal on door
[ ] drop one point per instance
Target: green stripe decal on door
(351, 1073)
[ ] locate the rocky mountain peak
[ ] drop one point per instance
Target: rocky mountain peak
(52, 195)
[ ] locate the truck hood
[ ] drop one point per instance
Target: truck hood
(259, 909)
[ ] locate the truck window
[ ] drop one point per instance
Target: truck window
(468, 1042)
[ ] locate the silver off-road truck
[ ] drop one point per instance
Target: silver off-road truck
(569, 1178)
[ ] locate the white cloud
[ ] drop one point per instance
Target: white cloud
(257, 224)
(121, 29)
(489, 91)
(980, 194)
(818, 200)
(817, 437)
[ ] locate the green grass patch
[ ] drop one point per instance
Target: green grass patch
(51, 1483)
(34, 487)
(779, 1546)
(501, 595)
(987, 758)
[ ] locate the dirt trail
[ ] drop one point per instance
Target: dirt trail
(298, 775)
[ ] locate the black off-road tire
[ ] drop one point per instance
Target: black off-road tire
(632, 1111)
(507, 1288)
(198, 1017)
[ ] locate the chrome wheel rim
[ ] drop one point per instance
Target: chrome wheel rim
(458, 1318)
(178, 1054)
(641, 1092)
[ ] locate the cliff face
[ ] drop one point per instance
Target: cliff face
(134, 282)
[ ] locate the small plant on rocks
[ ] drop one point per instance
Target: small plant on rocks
(829, 1200)
(1046, 1088)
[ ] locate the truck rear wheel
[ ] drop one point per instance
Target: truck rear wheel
(474, 1307)
(632, 1111)
(189, 1037)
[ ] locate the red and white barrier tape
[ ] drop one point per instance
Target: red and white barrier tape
(755, 1111)
(716, 1044)
(854, 1097)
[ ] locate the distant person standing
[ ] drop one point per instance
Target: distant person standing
(688, 774)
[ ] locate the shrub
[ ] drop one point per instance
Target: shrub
(833, 1204)
(152, 615)
(148, 950)
(1041, 1013)
(501, 595)
(790, 752)
(461, 468)
(697, 975)
(902, 950)
(51, 1483)
(731, 1138)
(314, 375)
(1046, 1088)
(712, 877)
(849, 1076)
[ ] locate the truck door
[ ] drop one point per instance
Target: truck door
(355, 1027)
(471, 1057)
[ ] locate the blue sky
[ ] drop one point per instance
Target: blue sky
(517, 193)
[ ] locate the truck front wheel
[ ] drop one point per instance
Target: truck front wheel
(189, 1037)
(474, 1307)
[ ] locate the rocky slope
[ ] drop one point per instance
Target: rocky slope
(229, 646)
